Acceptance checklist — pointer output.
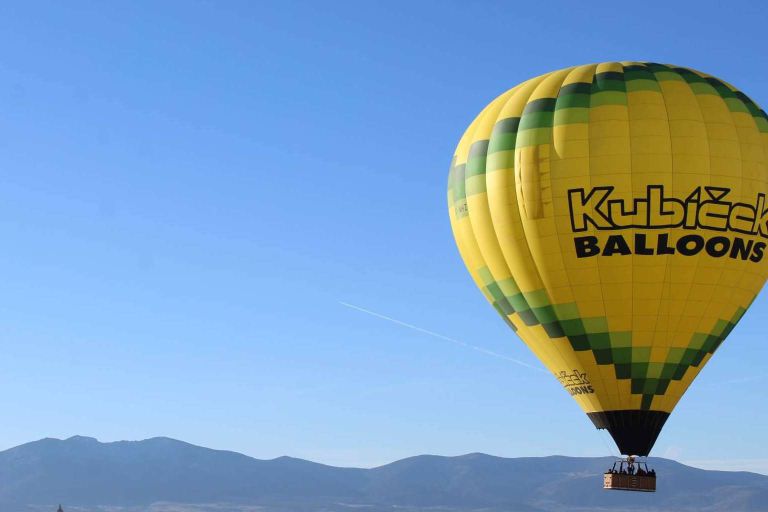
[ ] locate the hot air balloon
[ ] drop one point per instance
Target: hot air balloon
(615, 216)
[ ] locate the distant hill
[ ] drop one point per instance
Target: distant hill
(165, 475)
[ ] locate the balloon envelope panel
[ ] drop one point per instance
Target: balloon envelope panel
(615, 216)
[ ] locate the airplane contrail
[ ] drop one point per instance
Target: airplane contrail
(442, 337)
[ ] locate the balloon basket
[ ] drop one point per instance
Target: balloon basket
(630, 475)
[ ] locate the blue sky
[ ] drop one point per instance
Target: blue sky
(191, 189)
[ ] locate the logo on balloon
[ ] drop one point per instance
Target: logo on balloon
(575, 382)
(705, 209)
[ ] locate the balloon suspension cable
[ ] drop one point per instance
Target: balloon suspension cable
(609, 446)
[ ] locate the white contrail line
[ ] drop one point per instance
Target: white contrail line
(443, 337)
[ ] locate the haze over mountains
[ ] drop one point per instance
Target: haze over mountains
(165, 475)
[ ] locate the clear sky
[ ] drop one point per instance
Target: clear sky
(191, 189)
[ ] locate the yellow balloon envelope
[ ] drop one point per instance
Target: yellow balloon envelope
(615, 216)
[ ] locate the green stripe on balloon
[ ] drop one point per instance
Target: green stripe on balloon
(615, 348)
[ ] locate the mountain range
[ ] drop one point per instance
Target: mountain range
(166, 475)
